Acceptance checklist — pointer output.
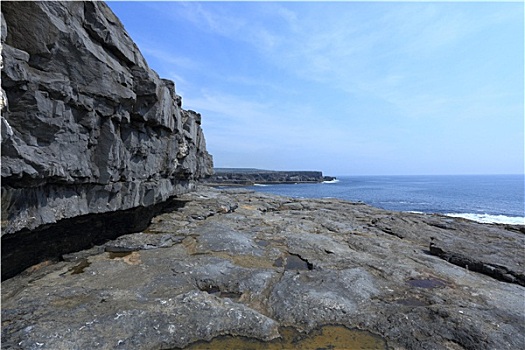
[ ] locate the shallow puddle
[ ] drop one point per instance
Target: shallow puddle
(427, 283)
(326, 337)
(293, 262)
(411, 302)
(78, 269)
(128, 257)
(278, 262)
(262, 243)
(231, 295)
(116, 255)
(215, 290)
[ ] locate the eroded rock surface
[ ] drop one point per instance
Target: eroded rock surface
(87, 126)
(246, 264)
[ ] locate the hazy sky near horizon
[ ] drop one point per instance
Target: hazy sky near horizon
(349, 88)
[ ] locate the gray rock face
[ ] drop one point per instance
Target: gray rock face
(245, 264)
(240, 176)
(87, 126)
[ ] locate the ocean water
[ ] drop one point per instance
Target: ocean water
(483, 198)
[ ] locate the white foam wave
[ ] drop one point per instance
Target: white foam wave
(334, 181)
(261, 185)
(490, 219)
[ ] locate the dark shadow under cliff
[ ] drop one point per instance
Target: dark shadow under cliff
(25, 248)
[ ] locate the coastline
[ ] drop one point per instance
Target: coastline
(219, 256)
(252, 177)
(110, 241)
(481, 198)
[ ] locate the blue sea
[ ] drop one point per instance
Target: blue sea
(483, 198)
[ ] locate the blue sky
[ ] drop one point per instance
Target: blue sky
(349, 88)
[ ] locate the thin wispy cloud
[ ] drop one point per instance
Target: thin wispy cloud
(283, 131)
(309, 84)
(170, 58)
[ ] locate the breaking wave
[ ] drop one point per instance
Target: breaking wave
(334, 181)
(490, 219)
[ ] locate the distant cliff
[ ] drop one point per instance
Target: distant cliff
(242, 177)
(87, 126)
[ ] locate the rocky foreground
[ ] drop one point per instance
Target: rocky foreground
(250, 270)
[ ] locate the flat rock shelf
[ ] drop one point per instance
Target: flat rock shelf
(233, 268)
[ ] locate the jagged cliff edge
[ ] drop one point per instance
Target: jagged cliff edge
(87, 126)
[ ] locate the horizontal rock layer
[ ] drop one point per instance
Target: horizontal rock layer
(232, 176)
(87, 126)
(251, 265)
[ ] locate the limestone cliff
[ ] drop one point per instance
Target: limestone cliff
(247, 177)
(87, 126)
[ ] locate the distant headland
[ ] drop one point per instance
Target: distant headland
(251, 176)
